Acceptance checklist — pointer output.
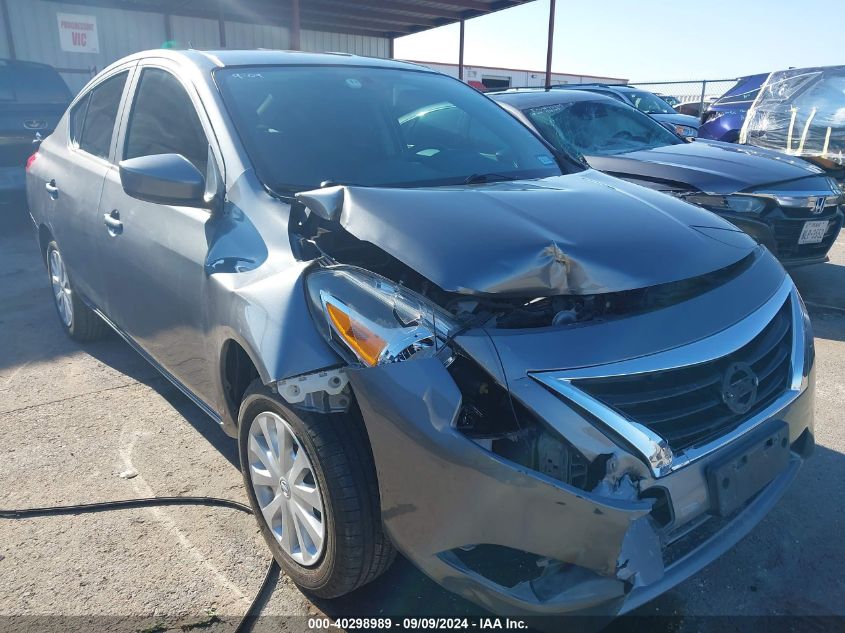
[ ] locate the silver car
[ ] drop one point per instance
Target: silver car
(553, 391)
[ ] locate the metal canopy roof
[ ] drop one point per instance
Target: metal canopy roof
(380, 18)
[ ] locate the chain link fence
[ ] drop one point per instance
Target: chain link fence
(693, 97)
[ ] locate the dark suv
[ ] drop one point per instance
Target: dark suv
(32, 99)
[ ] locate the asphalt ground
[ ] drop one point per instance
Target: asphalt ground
(73, 418)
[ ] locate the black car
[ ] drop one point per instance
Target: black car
(32, 99)
(785, 203)
(683, 123)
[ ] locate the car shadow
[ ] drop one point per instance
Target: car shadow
(30, 331)
(116, 353)
(821, 284)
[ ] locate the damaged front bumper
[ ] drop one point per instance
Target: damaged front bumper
(521, 543)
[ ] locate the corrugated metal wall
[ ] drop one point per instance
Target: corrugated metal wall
(318, 41)
(120, 32)
(36, 34)
(194, 32)
(4, 46)
(241, 35)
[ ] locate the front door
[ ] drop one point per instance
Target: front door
(156, 253)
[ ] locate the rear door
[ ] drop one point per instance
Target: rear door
(73, 170)
(156, 278)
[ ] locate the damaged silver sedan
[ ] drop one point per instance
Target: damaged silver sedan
(554, 391)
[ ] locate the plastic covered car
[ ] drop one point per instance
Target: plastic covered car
(801, 112)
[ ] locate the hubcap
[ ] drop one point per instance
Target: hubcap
(61, 288)
(285, 486)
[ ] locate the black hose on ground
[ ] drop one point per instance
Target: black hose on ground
(270, 578)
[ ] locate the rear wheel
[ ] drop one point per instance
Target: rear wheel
(78, 320)
(312, 484)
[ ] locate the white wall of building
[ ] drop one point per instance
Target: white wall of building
(518, 78)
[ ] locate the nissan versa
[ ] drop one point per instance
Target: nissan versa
(552, 390)
(787, 204)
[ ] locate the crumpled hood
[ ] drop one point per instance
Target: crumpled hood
(582, 233)
(709, 166)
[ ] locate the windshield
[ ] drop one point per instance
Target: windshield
(649, 103)
(599, 128)
(745, 90)
(306, 125)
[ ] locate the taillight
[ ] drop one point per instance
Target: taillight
(30, 160)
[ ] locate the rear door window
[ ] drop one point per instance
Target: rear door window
(77, 118)
(100, 116)
(164, 121)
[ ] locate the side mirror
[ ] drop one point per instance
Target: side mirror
(163, 179)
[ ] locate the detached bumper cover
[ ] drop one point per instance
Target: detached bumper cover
(441, 492)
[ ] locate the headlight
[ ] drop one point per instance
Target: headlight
(375, 319)
(733, 203)
(686, 131)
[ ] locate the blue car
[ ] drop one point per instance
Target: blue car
(648, 103)
(724, 118)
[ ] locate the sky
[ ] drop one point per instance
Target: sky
(645, 40)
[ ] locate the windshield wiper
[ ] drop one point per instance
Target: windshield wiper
(476, 179)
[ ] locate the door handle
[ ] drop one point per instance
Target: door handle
(113, 223)
(52, 189)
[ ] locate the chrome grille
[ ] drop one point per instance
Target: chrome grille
(685, 405)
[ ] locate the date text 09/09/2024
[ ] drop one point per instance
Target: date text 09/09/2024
(317, 624)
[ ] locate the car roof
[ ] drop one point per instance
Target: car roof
(211, 59)
(19, 63)
(594, 86)
(524, 99)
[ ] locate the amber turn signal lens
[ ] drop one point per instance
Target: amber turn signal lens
(365, 343)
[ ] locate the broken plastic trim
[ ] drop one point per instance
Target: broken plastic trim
(322, 391)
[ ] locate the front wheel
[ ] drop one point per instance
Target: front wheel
(311, 482)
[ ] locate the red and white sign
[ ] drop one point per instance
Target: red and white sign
(78, 33)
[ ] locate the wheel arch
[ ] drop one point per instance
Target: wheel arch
(45, 236)
(238, 368)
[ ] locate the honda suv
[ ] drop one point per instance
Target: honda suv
(552, 390)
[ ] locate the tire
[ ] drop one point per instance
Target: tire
(78, 320)
(355, 549)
